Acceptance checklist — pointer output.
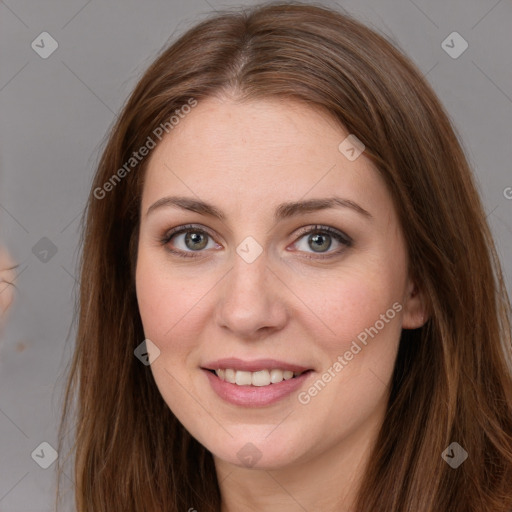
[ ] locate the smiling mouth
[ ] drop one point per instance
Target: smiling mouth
(257, 379)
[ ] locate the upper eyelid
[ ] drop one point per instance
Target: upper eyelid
(327, 229)
(178, 230)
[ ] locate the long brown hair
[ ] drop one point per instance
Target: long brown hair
(452, 380)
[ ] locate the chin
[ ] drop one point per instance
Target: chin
(261, 451)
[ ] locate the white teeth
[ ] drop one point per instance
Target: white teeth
(243, 378)
(229, 375)
(276, 376)
(259, 378)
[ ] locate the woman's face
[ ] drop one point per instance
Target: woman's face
(266, 287)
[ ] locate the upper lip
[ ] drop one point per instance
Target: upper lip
(253, 366)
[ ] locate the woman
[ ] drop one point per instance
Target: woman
(290, 298)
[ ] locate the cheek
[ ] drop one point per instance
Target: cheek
(166, 299)
(166, 306)
(352, 302)
(363, 312)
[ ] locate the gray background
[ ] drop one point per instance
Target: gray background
(56, 111)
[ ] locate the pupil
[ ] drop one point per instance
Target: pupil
(195, 238)
(319, 242)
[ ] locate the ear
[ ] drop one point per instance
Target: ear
(416, 311)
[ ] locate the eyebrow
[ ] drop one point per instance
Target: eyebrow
(283, 211)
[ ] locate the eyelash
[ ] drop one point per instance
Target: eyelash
(340, 237)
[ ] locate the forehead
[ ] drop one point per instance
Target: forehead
(258, 152)
(261, 129)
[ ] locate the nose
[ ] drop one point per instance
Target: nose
(252, 302)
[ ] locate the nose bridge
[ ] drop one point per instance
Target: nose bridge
(248, 280)
(248, 277)
(249, 300)
(249, 266)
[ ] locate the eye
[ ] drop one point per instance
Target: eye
(188, 240)
(319, 239)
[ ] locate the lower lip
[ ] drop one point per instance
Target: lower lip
(255, 396)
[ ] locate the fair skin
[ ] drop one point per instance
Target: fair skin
(289, 304)
(6, 279)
